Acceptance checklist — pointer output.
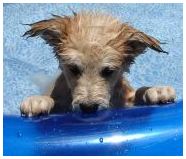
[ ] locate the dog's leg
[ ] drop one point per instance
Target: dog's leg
(145, 95)
(38, 104)
(61, 94)
(155, 95)
(123, 94)
(57, 99)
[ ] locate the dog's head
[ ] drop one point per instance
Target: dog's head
(93, 52)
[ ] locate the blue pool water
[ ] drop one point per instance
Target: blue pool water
(23, 59)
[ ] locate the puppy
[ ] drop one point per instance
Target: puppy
(93, 50)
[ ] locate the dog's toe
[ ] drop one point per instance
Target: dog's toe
(35, 105)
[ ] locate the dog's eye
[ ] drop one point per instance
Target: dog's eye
(107, 72)
(74, 70)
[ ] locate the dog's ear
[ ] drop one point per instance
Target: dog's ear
(53, 31)
(137, 42)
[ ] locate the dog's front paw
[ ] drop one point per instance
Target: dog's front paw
(35, 105)
(159, 95)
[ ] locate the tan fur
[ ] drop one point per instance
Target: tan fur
(88, 46)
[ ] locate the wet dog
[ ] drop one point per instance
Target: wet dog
(93, 50)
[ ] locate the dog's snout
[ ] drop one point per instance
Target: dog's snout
(88, 108)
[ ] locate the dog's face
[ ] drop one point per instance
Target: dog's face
(91, 73)
(93, 51)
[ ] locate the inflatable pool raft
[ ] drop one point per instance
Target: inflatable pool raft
(155, 130)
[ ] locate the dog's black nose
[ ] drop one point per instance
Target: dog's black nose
(87, 108)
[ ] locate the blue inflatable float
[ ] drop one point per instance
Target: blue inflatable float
(136, 131)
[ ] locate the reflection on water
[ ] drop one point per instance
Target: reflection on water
(95, 117)
(122, 138)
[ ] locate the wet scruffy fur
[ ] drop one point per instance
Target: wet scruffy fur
(93, 50)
